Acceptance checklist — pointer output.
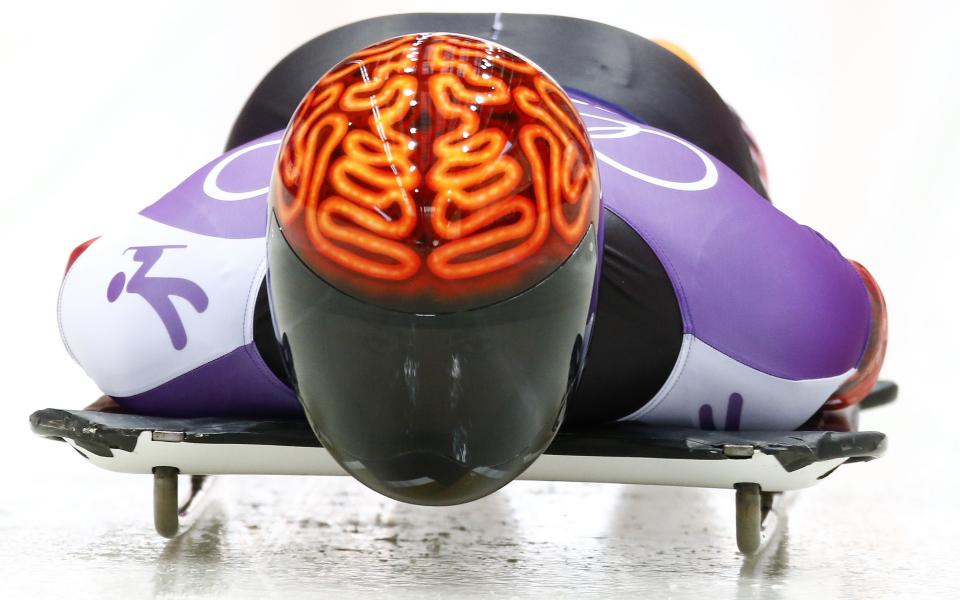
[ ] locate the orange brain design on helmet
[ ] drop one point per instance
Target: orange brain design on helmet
(435, 170)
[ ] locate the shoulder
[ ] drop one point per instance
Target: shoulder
(146, 303)
(173, 287)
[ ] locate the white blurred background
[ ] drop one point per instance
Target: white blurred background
(106, 106)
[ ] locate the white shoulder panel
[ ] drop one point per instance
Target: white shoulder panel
(149, 302)
(709, 390)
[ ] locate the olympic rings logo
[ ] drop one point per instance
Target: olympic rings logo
(622, 129)
(211, 185)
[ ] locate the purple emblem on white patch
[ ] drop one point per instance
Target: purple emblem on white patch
(158, 291)
(734, 411)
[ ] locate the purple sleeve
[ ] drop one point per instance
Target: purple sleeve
(751, 282)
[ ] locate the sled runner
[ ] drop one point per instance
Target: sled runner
(759, 465)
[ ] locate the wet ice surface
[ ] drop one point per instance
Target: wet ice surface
(78, 528)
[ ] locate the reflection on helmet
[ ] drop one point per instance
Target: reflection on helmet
(433, 256)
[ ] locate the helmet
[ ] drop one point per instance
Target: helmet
(432, 263)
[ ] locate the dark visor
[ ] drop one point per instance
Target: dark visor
(433, 409)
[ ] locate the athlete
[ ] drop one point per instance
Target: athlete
(436, 366)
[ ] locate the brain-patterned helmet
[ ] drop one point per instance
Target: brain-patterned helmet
(433, 257)
(435, 171)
